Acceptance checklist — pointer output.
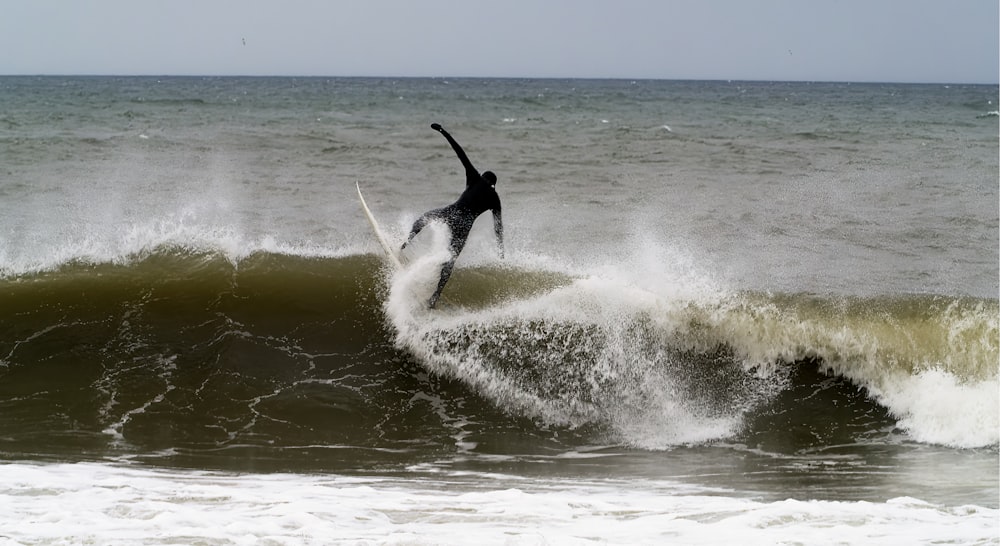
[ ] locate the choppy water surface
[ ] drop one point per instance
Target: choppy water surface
(757, 308)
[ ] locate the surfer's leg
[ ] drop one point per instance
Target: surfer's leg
(417, 226)
(445, 275)
(426, 218)
(455, 246)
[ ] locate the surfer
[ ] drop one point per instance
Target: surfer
(480, 195)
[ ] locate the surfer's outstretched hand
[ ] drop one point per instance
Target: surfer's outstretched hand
(437, 127)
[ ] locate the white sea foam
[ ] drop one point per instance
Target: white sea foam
(115, 505)
(902, 363)
(935, 407)
(617, 377)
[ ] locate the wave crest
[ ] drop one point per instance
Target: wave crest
(662, 369)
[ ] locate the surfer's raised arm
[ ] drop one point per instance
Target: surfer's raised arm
(498, 228)
(471, 174)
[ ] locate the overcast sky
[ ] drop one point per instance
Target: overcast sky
(839, 40)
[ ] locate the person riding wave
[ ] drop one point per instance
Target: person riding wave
(480, 195)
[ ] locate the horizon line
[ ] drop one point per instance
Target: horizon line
(473, 77)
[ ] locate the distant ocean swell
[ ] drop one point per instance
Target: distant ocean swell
(192, 351)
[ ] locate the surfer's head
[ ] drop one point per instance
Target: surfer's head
(490, 177)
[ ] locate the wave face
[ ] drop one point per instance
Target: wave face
(277, 359)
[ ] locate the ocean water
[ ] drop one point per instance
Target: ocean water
(727, 310)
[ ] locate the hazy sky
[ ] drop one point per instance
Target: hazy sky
(843, 40)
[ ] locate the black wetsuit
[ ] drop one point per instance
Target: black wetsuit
(480, 195)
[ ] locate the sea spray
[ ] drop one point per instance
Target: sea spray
(593, 351)
(671, 358)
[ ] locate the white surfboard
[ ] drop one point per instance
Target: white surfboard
(390, 252)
